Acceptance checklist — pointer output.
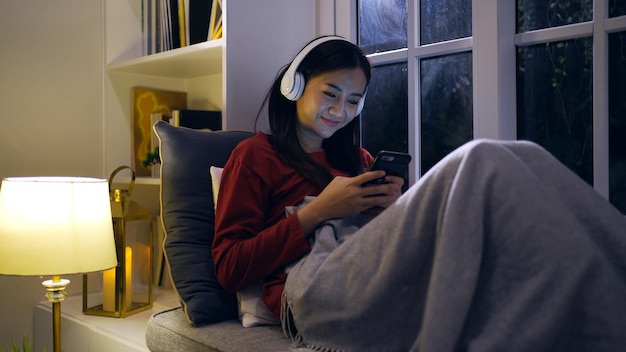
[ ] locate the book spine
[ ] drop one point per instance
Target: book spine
(182, 24)
(175, 121)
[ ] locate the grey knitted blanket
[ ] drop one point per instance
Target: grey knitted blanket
(498, 248)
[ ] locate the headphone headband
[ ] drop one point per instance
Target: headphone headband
(292, 83)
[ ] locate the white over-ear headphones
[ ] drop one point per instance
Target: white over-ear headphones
(292, 84)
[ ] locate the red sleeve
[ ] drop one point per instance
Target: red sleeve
(245, 249)
(366, 158)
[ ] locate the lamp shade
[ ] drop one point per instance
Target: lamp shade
(55, 226)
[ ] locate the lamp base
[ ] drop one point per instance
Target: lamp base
(56, 289)
(56, 294)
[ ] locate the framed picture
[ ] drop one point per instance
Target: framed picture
(146, 102)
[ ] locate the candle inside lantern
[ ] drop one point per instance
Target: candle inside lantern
(129, 278)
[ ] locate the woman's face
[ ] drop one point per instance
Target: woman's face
(328, 103)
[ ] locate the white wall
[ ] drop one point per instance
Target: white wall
(51, 95)
(55, 92)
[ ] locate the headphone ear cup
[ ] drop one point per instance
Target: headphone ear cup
(291, 86)
(286, 85)
(359, 107)
(298, 86)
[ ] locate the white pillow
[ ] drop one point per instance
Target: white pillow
(252, 310)
(216, 178)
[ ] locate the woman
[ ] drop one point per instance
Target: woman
(311, 151)
(455, 263)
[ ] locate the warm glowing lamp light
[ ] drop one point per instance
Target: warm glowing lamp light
(55, 226)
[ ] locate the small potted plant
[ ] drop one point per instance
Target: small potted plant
(27, 346)
(151, 159)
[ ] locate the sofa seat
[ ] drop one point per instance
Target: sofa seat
(169, 331)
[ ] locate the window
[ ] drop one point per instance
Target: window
(446, 106)
(617, 8)
(384, 121)
(382, 25)
(562, 87)
(535, 14)
(555, 86)
(551, 71)
(617, 119)
(554, 101)
(385, 124)
(444, 20)
(445, 84)
(446, 78)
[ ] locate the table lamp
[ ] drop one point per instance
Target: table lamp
(55, 226)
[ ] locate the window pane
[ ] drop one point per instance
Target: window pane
(554, 101)
(537, 14)
(617, 120)
(384, 121)
(617, 8)
(382, 25)
(443, 20)
(446, 106)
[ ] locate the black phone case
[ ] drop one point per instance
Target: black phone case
(393, 163)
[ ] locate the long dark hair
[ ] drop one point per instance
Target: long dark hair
(342, 148)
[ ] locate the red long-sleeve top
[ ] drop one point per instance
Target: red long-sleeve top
(254, 239)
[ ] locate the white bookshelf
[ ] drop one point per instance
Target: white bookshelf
(231, 74)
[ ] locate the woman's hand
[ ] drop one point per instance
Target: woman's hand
(346, 195)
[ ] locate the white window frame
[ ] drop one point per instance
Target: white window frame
(493, 45)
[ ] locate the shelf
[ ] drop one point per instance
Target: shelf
(90, 333)
(150, 181)
(192, 61)
(147, 181)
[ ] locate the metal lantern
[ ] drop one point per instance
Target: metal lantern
(127, 288)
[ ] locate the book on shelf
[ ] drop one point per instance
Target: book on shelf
(199, 18)
(148, 30)
(182, 22)
(174, 24)
(165, 24)
(171, 24)
(197, 119)
(166, 32)
(215, 23)
(154, 118)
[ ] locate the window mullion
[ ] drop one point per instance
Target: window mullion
(572, 31)
(615, 24)
(600, 99)
(493, 30)
(444, 48)
(388, 57)
(413, 89)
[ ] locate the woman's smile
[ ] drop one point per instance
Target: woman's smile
(330, 122)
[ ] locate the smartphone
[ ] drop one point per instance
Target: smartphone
(393, 163)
